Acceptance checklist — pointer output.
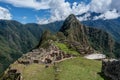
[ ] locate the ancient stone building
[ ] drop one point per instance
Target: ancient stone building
(111, 69)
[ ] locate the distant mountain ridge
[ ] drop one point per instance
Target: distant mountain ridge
(73, 39)
(17, 38)
(112, 26)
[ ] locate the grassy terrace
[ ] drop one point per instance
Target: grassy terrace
(71, 69)
(65, 48)
(79, 69)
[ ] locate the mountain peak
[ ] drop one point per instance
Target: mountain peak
(69, 22)
(71, 17)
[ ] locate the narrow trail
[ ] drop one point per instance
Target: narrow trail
(56, 68)
(64, 59)
(56, 73)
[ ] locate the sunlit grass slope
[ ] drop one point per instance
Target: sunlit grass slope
(70, 69)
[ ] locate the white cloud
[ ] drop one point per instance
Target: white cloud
(5, 14)
(79, 8)
(60, 9)
(24, 17)
(42, 21)
(100, 6)
(108, 15)
(35, 4)
(85, 17)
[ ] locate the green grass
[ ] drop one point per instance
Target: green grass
(71, 69)
(34, 71)
(38, 72)
(65, 48)
(79, 69)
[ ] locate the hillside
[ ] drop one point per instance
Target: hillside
(17, 38)
(59, 55)
(71, 69)
(112, 26)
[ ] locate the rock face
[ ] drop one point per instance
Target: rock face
(75, 31)
(88, 39)
(111, 69)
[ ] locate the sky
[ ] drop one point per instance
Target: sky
(47, 11)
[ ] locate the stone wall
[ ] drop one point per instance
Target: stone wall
(47, 56)
(111, 69)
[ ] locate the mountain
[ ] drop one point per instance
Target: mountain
(111, 26)
(93, 19)
(87, 37)
(17, 39)
(59, 55)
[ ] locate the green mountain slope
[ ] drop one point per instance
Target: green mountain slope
(17, 38)
(14, 41)
(87, 37)
(73, 38)
(112, 26)
(59, 56)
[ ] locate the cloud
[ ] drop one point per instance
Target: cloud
(35, 4)
(100, 6)
(5, 14)
(85, 17)
(79, 8)
(24, 17)
(60, 9)
(115, 4)
(108, 15)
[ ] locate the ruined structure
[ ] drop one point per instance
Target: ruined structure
(45, 56)
(111, 68)
(13, 74)
(37, 56)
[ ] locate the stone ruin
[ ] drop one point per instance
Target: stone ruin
(111, 68)
(47, 56)
(13, 74)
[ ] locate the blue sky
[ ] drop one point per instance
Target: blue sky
(45, 11)
(25, 15)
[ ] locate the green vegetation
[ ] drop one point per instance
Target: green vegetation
(34, 71)
(38, 72)
(17, 38)
(71, 69)
(65, 48)
(79, 69)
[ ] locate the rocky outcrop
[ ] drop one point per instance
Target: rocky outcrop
(75, 31)
(111, 68)
(88, 39)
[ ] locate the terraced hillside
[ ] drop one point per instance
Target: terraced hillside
(70, 69)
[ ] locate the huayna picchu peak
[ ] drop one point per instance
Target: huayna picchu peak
(62, 54)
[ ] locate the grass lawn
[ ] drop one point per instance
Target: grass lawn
(65, 48)
(71, 69)
(79, 69)
(38, 72)
(35, 71)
